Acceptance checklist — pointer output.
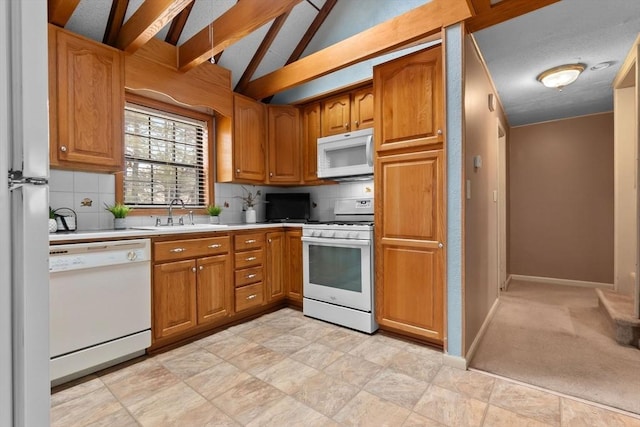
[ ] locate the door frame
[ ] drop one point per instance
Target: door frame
(501, 210)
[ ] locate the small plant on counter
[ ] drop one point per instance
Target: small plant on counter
(214, 210)
(118, 210)
(52, 213)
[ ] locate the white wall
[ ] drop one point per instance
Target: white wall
(86, 194)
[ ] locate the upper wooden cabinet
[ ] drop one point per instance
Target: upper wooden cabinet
(284, 145)
(86, 93)
(240, 142)
(416, 78)
(311, 131)
(348, 112)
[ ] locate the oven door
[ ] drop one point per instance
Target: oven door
(338, 271)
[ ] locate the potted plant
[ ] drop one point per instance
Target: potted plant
(250, 199)
(120, 212)
(214, 213)
(53, 224)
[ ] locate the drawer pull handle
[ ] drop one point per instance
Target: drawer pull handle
(177, 250)
(251, 258)
(250, 241)
(252, 296)
(250, 276)
(215, 246)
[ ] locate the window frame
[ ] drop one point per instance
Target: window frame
(209, 158)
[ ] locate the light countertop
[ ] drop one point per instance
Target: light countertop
(132, 232)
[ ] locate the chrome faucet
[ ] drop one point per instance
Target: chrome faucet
(170, 219)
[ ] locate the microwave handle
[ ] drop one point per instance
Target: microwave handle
(369, 150)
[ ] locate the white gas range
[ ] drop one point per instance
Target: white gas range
(338, 266)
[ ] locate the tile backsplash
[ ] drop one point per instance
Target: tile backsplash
(86, 193)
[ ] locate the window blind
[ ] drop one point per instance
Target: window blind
(165, 158)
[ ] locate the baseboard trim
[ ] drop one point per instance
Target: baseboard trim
(482, 331)
(507, 282)
(455, 361)
(563, 282)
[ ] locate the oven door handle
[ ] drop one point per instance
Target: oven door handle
(341, 242)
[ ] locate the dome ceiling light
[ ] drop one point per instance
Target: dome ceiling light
(559, 77)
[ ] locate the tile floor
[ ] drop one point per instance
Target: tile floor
(284, 369)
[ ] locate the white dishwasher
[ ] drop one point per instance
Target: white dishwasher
(100, 305)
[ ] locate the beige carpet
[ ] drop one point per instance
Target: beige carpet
(556, 337)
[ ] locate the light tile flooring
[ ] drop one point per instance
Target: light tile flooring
(284, 369)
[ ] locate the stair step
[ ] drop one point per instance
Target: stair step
(620, 310)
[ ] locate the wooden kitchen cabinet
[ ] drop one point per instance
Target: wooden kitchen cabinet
(409, 192)
(348, 112)
(240, 142)
(86, 89)
(249, 270)
(276, 245)
(284, 154)
(311, 131)
(293, 265)
(409, 102)
(192, 284)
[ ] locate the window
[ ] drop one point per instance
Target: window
(166, 157)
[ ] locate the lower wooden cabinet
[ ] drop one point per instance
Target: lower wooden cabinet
(293, 265)
(275, 265)
(194, 291)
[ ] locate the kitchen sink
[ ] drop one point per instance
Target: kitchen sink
(181, 228)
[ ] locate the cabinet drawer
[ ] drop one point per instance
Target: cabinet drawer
(248, 275)
(248, 259)
(178, 249)
(249, 296)
(248, 241)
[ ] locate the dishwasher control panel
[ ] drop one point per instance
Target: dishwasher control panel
(99, 254)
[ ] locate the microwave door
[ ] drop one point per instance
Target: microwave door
(345, 157)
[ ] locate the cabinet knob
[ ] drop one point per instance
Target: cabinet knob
(440, 245)
(193, 269)
(200, 268)
(270, 173)
(269, 240)
(63, 148)
(357, 123)
(346, 125)
(439, 131)
(238, 170)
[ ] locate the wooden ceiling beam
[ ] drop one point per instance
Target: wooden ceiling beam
(261, 52)
(311, 31)
(177, 25)
(145, 23)
(418, 23)
(503, 11)
(114, 24)
(242, 19)
(60, 11)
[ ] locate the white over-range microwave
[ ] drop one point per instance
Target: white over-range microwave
(348, 155)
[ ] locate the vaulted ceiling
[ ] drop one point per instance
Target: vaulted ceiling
(274, 48)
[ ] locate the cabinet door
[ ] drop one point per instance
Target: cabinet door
(310, 133)
(409, 102)
(293, 265)
(174, 297)
(275, 265)
(336, 115)
(284, 145)
(362, 108)
(215, 288)
(248, 139)
(89, 110)
(409, 231)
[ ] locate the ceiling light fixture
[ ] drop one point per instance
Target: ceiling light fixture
(559, 77)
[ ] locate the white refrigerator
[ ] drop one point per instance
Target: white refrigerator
(24, 243)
